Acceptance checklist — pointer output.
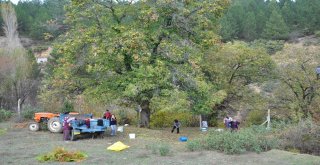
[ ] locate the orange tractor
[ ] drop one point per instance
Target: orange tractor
(53, 121)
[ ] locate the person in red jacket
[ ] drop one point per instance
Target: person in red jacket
(107, 115)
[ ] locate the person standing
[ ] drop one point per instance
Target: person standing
(66, 129)
(230, 122)
(107, 115)
(176, 125)
(226, 122)
(113, 124)
(235, 125)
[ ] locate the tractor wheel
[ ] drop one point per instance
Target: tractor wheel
(54, 125)
(34, 126)
(73, 136)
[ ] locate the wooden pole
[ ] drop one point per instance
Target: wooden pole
(268, 119)
(139, 109)
(19, 111)
(200, 119)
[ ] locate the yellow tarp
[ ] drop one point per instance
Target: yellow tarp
(118, 146)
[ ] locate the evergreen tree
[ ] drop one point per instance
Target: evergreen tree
(308, 15)
(249, 31)
(229, 28)
(276, 27)
(288, 13)
(271, 5)
(238, 13)
(37, 18)
(261, 20)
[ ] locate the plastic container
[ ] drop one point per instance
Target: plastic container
(183, 139)
(120, 129)
(132, 135)
(204, 129)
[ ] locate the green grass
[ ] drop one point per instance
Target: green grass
(25, 146)
(3, 131)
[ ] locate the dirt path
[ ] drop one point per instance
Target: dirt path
(20, 146)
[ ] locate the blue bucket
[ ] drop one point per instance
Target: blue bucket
(183, 139)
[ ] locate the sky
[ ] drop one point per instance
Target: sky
(14, 1)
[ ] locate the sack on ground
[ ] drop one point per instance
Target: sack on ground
(118, 146)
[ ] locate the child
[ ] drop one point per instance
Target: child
(176, 124)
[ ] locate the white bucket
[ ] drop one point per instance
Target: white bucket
(120, 129)
(132, 135)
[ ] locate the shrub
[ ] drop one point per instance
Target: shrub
(125, 116)
(28, 112)
(303, 136)
(255, 117)
(38, 49)
(317, 33)
(164, 149)
(256, 139)
(194, 145)
(61, 155)
(2, 131)
(165, 119)
(153, 147)
(271, 46)
(161, 148)
(5, 115)
(307, 43)
(220, 125)
(67, 107)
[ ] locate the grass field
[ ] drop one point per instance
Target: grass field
(20, 146)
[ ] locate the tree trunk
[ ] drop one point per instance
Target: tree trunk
(145, 114)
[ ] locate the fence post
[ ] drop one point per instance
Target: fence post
(19, 111)
(268, 121)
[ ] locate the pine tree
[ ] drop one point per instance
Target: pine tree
(288, 13)
(229, 28)
(238, 14)
(276, 27)
(271, 6)
(308, 15)
(249, 27)
(260, 22)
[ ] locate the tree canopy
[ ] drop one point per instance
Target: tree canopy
(269, 19)
(157, 55)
